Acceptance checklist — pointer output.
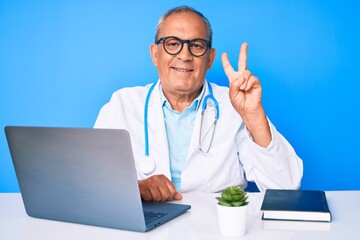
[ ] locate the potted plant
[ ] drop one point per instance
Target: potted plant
(232, 211)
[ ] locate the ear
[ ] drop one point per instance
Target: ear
(212, 54)
(154, 53)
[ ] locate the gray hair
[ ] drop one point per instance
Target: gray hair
(184, 9)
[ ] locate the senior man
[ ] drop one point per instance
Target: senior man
(188, 134)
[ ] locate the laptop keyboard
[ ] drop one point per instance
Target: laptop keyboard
(153, 216)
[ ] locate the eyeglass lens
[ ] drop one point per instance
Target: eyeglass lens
(197, 47)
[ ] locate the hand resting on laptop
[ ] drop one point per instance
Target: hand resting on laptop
(158, 188)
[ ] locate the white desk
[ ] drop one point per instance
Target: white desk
(198, 223)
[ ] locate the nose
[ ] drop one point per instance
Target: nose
(185, 53)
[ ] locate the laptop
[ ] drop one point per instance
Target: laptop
(85, 176)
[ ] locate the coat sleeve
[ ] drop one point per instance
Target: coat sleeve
(276, 166)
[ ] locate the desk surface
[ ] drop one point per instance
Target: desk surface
(198, 223)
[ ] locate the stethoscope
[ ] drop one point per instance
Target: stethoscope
(147, 164)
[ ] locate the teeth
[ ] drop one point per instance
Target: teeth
(183, 70)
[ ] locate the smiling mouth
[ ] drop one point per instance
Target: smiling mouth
(182, 69)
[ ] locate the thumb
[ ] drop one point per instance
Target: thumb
(177, 196)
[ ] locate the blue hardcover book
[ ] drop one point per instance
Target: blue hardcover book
(297, 205)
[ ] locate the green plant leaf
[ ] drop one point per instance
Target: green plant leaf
(223, 203)
(233, 197)
(226, 197)
(236, 204)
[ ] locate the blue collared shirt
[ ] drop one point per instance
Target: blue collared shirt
(179, 128)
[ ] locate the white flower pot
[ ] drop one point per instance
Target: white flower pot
(232, 220)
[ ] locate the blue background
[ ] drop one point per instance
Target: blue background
(60, 61)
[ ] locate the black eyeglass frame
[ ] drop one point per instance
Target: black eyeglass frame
(207, 42)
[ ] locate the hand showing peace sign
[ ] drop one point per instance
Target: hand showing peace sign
(245, 96)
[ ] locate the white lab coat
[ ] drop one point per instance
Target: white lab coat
(233, 158)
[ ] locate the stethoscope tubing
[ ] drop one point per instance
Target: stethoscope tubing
(146, 128)
(146, 107)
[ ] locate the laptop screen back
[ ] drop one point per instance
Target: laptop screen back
(83, 176)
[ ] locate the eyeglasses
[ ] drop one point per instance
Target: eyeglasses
(173, 45)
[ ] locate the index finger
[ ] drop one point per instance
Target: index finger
(171, 188)
(242, 64)
(229, 70)
(167, 188)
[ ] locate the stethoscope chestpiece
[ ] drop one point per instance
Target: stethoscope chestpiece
(146, 165)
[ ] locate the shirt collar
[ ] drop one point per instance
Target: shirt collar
(195, 104)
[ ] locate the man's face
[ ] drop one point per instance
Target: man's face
(182, 74)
